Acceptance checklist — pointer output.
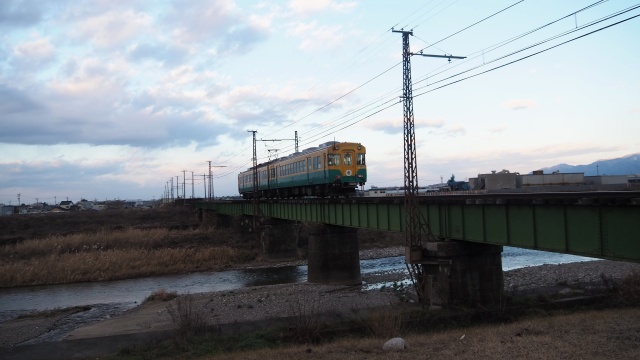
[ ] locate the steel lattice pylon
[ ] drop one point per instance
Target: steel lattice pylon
(254, 174)
(413, 241)
(415, 226)
(412, 220)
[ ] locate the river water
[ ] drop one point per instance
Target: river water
(120, 295)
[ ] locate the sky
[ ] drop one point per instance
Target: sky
(112, 99)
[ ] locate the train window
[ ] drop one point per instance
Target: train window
(272, 173)
(319, 162)
(360, 159)
(348, 158)
(333, 159)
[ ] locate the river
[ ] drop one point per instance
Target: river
(124, 294)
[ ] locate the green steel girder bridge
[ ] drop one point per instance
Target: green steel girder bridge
(595, 224)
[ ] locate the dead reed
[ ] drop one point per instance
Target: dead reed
(385, 323)
(161, 295)
(188, 316)
(305, 320)
(103, 240)
(112, 255)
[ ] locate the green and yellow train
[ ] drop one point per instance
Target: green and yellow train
(331, 169)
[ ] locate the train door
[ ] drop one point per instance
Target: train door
(350, 168)
(273, 178)
(308, 169)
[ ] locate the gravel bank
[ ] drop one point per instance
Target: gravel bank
(275, 301)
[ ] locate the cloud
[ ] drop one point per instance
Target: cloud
(164, 53)
(520, 104)
(200, 20)
(93, 110)
(497, 129)
(56, 180)
(240, 40)
(318, 37)
(306, 8)
(456, 130)
(112, 29)
(396, 126)
(14, 101)
(20, 13)
(39, 49)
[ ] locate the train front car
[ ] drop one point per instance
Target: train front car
(331, 169)
(347, 168)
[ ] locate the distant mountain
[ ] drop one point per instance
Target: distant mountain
(625, 165)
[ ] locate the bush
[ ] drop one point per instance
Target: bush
(305, 320)
(385, 323)
(187, 315)
(161, 295)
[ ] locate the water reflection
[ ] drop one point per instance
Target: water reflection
(273, 276)
(134, 291)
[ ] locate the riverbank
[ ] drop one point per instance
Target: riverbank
(237, 308)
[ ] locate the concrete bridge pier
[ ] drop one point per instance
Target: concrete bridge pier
(463, 274)
(334, 256)
(279, 238)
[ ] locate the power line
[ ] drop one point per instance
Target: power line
(356, 118)
(530, 55)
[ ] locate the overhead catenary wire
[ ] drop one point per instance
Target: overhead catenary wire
(511, 54)
(532, 46)
(528, 56)
(353, 120)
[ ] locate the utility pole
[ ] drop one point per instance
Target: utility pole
(172, 188)
(184, 185)
(19, 200)
(213, 194)
(204, 183)
(177, 187)
(413, 217)
(192, 188)
(210, 178)
(275, 151)
(294, 139)
(255, 184)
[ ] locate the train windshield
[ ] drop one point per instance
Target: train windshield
(348, 159)
(360, 159)
(333, 159)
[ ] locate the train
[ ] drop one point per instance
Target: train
(332, 169)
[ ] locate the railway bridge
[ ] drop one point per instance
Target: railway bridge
(464, 266)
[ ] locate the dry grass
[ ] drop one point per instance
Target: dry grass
(385, 323)
(305, 320)
(116, 264)
(609, 334)
(103, 240)
(161, 295)
(188, 316)
(116, 254)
